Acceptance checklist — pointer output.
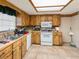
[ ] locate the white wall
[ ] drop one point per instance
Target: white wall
(66, 23)
(65, 28)
(75, 29)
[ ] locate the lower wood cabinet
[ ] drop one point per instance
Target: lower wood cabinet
(6, 53)
(9, 57)
(24, 46)
(57, 38)
(17, 50)
(36, 37)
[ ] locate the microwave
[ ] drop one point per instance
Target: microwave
(46, 24)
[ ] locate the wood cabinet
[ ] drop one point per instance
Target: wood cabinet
(36, 37)
(57, 38)
(37, 19)
(6, 53)
(37, 22)
(24, 46)
(22, 19)
(34, 20)
(56, 20)
(25, 20)
(50, 18)
(46, 18)
(43, 18)
(17, 49)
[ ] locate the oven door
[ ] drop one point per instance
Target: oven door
(46, 38)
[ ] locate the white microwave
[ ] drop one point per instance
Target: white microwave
(46, 24)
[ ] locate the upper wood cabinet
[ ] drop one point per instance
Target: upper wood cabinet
(50, 19)
(37, 19)
(25, 20)
(46, 18)
(34, 20)
(43, 18)
(56, 20)
(22, 19)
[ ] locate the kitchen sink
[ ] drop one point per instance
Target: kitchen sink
(8, 39)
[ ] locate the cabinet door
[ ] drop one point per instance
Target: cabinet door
(36, 37)
(32, 20)
(17, 53)
(16, 50)
(22, 19)
(49, 18)
(57, 39)
(37, 20)
(33, 37)
(25, 19)
(56, 20)
(6, 53)
(43, 18)
(24, 46)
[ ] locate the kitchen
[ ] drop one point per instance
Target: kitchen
(27, 31)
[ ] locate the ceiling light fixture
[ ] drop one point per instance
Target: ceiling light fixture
(49, 5)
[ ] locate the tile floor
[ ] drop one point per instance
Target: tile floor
(52, 52)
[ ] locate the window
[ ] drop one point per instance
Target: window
(7, 22)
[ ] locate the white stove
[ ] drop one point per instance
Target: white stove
(46, 38)
(46, 33)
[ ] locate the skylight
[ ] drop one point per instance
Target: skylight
(50, 9)
(49, 5)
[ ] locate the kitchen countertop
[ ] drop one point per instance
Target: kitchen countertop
(2, 45)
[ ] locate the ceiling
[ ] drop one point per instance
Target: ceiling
(26, 6)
